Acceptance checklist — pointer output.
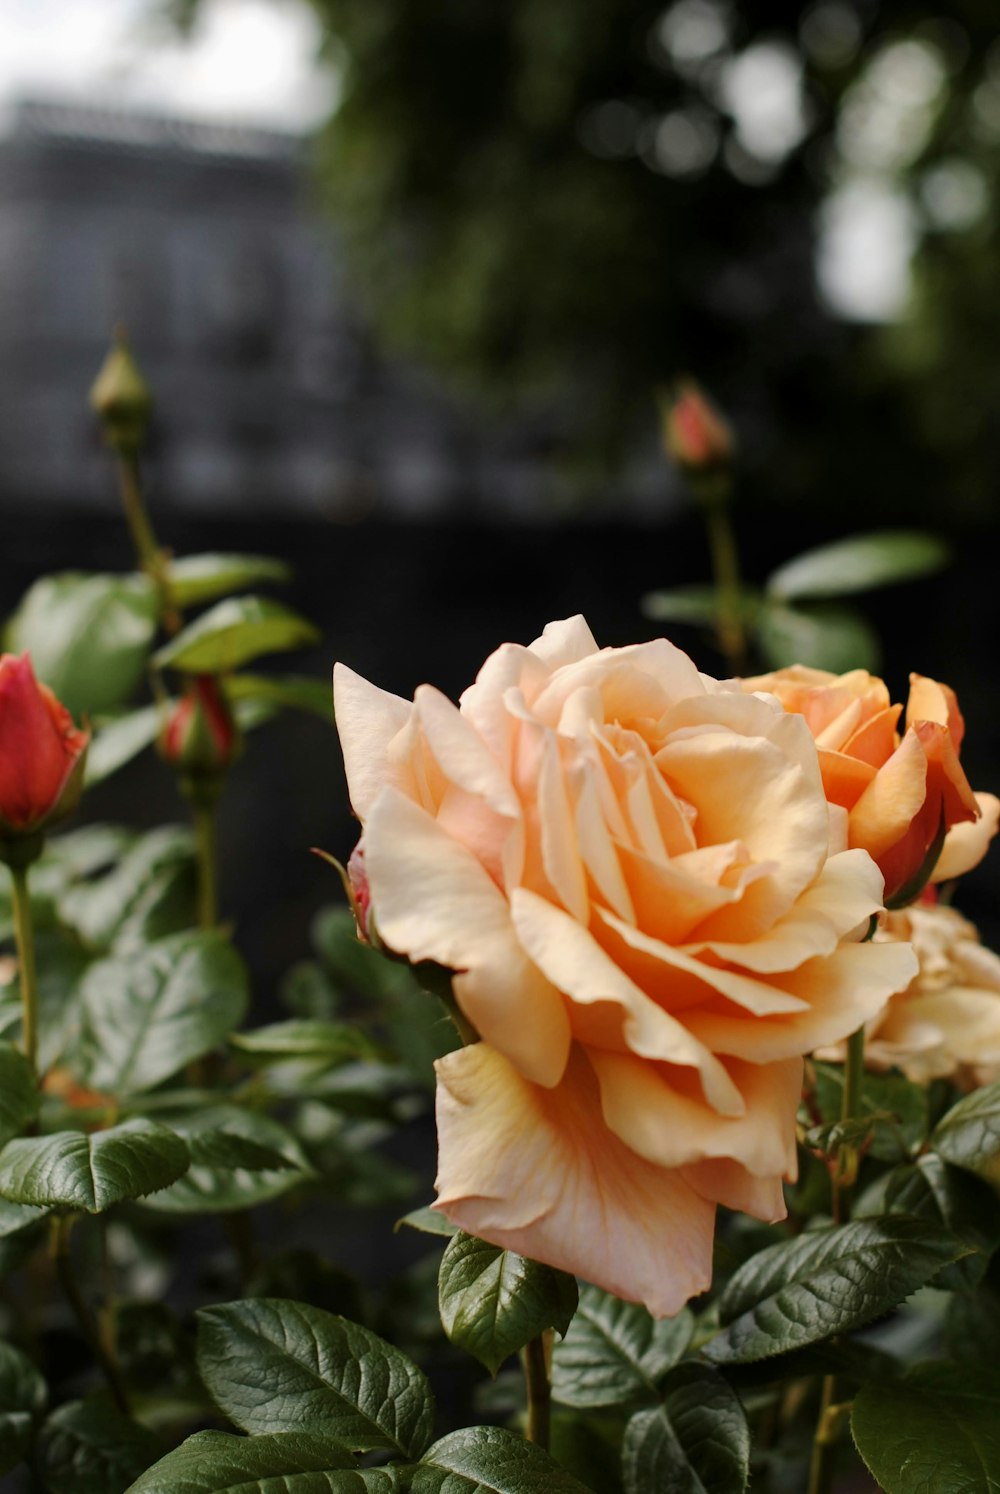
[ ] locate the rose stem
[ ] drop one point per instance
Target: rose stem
(62, 1225)
(831, 1414)
(536, 1374)
(24, 935)
(205, 842)
(148, 552)
(714, 494)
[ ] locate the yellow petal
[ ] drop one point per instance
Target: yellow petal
(537, 1171)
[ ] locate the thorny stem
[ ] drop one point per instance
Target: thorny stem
(24, 936)
(832, 1414)
(100, 1347)
(536, 1375)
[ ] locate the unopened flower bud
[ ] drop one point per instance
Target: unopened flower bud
(695, 435)
(200, 738)
(120, 399)
(41, 760)
(361, 895)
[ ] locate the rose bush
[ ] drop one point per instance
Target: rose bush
(652, 914)
(898, 791)
(41, 752)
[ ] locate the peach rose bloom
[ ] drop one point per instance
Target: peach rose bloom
(896, 790)
(652, 915)
(946, 1024)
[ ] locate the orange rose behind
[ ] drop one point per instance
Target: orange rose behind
(652, 915)
(897, 791)
(41, 752)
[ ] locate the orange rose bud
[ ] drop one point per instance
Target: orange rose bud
(41, 753)
(695, 435)
(201, 738)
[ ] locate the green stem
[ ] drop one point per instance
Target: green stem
(828, 1428)
(206, 844)
(100, 1347)
(846, 1170)
(536, 1374)
(832, 1414)
(148, 552)
(24, 935)
(713, 495)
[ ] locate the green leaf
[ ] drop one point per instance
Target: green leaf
(489, 1460)
(969, 1135)
(892, 1108)
(211, 1187)
(196, 579)
(120, 741)
(89, 636)
(615, 1353)
(824, 1282)
(293, 692)
(147, 1015)
(936, 1432)
(233, 633)
(90, 1447)
(859, 563)
(697, 1442)
(428, 1221)
(146, 894)
(683, 604)
(278, 1366)
(493, 1302)
(300, 1037)
(23, 1395)
(292, 1463)
(91, 1172)
(16, 1217)
(931, 1189)
(19, 1098)
(823, 635)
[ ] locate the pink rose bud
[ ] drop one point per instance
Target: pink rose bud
(695, 435)
(41, 753)
(361, 896)
(201, 738)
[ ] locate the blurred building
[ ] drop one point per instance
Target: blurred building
(270, 397)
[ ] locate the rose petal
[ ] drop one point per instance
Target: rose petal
(433, 901)
(888, 806)
(648, 1113)
(966, 843)
(842, 991)
(367, 719)
(535, 1171)
(576, 964)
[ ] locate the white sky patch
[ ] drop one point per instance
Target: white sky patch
(250, 62)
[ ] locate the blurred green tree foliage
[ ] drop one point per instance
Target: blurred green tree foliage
(564, 205)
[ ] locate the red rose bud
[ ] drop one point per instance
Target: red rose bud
(41, 753)
(201, 738)
(695, 435)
